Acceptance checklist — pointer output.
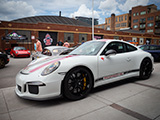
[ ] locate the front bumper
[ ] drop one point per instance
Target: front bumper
(35, 88)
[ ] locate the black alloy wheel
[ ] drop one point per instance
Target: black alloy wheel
(2, 63)
(77, 83)
(146, 69)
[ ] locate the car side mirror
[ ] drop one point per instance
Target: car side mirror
(110, 52)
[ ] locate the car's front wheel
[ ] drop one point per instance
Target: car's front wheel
(77, 83)
(145, 69)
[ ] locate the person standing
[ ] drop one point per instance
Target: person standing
(38, 46)
(66, 44)
(60, 43)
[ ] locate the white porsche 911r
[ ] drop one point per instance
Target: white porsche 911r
(92, 64)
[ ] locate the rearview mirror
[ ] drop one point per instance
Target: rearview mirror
(110, 52)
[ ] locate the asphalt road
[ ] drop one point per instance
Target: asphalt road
(8, 74)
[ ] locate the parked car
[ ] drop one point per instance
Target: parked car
(92, 64)
(19, 52)
(153, 49)
(3, 60)
(49, 51)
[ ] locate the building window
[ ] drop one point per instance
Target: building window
(106, 21)
(108, 27)
(142, 31)
(116, 19)
(148, 31)
(117, 25)
(142, 26)
(150, 18)
(82, 38)
(135, 20)
(125, 17)
(109, 21)
(123, 24)
(134, 14)
(122, 18)
(143, 13)
(141, 41)
(135, 26)
(157, 17)
(157, 31)
(119, 19)
(142, 20)
(150, 24)
(134, 39)
(69, 37)
(137, 14)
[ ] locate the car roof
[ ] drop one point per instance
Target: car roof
(112, 40)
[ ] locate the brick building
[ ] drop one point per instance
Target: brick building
(61, 28)
(120, 21)
(146, 19)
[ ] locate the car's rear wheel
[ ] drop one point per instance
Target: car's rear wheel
(77, 83)
(2, 63)
(146, 69)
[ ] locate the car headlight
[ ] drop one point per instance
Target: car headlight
(49, 69)
(16, 52)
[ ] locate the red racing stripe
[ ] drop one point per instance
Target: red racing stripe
(49, 63)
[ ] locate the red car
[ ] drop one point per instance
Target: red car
(20, 52)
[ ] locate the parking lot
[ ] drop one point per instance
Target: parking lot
(129, 99)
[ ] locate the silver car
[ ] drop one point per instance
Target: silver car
(49, 51)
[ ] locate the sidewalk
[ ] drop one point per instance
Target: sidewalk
(117, 101)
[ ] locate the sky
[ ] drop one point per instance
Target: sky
(15, 9)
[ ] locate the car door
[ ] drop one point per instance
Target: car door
(113, 66)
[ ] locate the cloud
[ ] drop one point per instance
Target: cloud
(131, 3)
(15, 9)
(108, 7)
(85, 12)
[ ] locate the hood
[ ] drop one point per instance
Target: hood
(32, 67)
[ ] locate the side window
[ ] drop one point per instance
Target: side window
(117, 46)
(130, 48)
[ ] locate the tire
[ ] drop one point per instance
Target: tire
(2, 63)
(145, 69)
(77, 83)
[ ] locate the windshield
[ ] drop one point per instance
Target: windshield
(19, 48)
(88, 48)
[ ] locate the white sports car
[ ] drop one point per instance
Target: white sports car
(92, 64)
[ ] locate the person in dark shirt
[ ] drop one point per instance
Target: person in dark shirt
(60, 43)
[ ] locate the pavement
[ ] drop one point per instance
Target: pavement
(125, 100)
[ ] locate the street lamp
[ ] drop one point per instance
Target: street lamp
(92, 19)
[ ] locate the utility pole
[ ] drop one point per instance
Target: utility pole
(92, 19)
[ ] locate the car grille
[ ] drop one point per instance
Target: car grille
(33, 89)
